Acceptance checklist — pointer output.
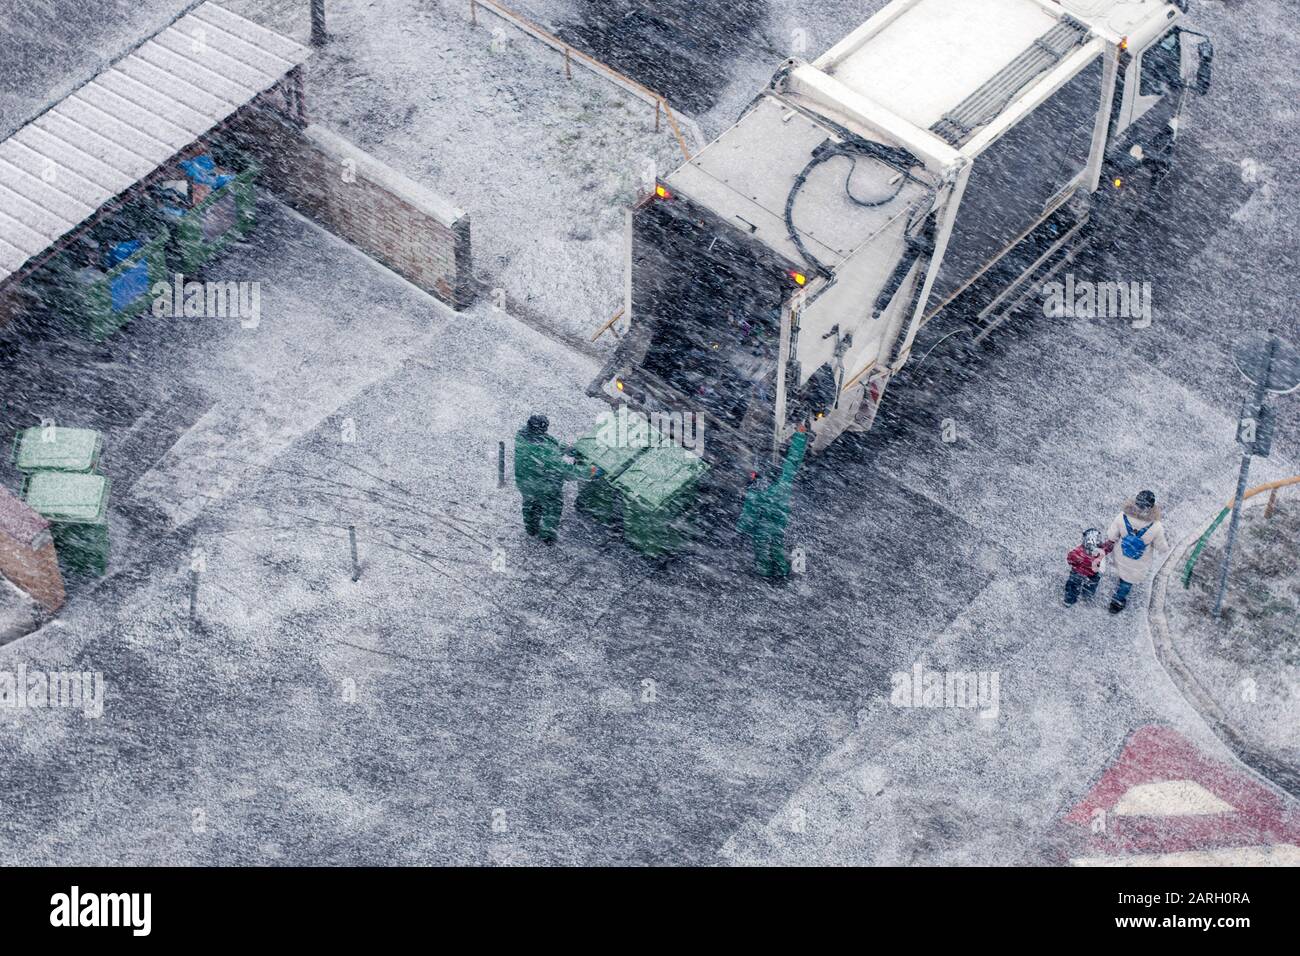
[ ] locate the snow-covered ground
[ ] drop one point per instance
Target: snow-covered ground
(610, 709)
(1249, 661)
(47, 47)
(602, 708)
(545, 165)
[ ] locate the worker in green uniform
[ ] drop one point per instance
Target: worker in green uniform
(766, 511)
(540, 474)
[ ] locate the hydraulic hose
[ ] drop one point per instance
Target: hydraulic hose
(853, 147)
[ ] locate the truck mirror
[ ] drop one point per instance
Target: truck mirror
(1205, 72)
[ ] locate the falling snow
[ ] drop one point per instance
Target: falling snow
(600, 706)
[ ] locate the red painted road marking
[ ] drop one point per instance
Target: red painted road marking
(1163, 796)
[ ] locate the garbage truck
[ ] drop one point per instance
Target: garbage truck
(946, 157)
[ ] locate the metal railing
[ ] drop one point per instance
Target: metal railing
(572, 55)
(1272, 488)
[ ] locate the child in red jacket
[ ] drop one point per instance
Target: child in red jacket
(1086, 562)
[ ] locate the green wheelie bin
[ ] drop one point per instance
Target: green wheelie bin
(659, 491)
(611, 446)
(76, 505)
(105, 277)
(57, 449)
(202, 229)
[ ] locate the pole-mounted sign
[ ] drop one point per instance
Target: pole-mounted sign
(1272, 365)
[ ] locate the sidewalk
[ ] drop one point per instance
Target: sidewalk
(948, 786)
(233, 717)
(1241, 672)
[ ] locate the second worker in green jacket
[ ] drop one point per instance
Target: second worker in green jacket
(766, 512)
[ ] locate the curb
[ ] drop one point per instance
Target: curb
(1282, 775)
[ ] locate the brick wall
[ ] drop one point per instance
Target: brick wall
(10, 305)
(27, 556)
(391, 218)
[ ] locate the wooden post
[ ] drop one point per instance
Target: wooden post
(608, 325)
(658, 109)
(473, 13)
(568, 67)
(194, 599)
(501, 464)
(318, 34)
(1271, 508)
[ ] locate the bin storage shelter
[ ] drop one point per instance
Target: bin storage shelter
(85, 157)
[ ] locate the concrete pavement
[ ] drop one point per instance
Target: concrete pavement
(474, 698)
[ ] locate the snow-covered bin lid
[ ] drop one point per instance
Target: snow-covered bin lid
(57, 449)
(20, 524)
(69, 497)
(658, 476)
(614, 443)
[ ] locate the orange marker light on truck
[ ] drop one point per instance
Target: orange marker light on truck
(799, 278)
(1119, 183)
(663, 193)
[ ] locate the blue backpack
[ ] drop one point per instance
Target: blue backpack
(1132, 544)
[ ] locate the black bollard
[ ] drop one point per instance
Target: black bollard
(356, 566)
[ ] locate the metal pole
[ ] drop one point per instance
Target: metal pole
(1261, 392)
(501, 464)
(356, 565)
(318, 34)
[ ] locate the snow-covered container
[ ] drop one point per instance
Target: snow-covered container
(27, 556)
(939, 156)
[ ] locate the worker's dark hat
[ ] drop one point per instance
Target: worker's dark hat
(538, 424)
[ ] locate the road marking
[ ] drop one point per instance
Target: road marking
(1163, 802)
(1170, 798)
(1282, 855)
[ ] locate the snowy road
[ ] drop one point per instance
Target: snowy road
(475, 698)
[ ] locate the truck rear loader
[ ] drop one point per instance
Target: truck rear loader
(948, 156)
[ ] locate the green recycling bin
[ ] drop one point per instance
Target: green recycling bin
(99, 298)
(612, 446)
(659, 491)
(57, 449)
(201, 232)
(105, 274)
(76, 505)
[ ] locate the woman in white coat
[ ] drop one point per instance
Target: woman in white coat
(1138, 533)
